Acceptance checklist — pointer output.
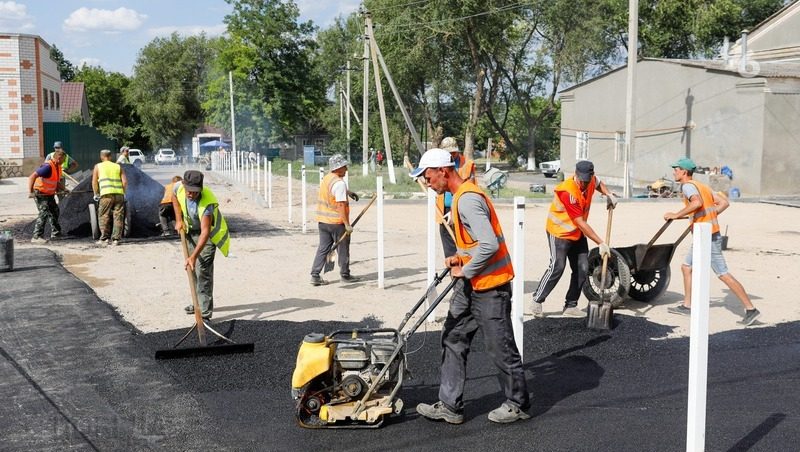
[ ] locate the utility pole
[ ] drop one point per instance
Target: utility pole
(347, 111)
(233, 119)
(365, 106)
(341, 105)
(630, 108)
(381, 108)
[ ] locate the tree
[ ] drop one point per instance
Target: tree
(165, 88)
(65, 67)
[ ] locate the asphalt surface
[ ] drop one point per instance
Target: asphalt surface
(73, 376)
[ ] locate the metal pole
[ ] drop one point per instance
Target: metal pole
(387, 144)
(289, 184)
(303, 195)
(518, 287)
(630, 107)
(379, 185)
(269, 184)
(233, 115)
(432, 226)
(365, 107)
(347, 111)
(698, 341)
(341, 105)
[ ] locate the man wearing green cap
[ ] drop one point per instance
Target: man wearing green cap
(702, 205)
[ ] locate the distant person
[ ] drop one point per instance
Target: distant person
(43, 184)
(333, 216)
(481, 298)
(702, 205)
(567, 229)
(466, 170)
(109, 184)
(166, 213)
(197, 213)
(124, 157)
(379, 158)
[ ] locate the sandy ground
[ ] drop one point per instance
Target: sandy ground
(266, 276)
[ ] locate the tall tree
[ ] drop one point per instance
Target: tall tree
(65, 68)
(165, 88)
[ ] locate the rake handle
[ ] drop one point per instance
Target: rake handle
(198, 316)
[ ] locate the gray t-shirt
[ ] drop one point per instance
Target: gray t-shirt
(689, 190)
(473, 212)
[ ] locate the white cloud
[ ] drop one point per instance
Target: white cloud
(14, 17)
(323, 13)
(88, 61)
(188, 30)
(104, 20)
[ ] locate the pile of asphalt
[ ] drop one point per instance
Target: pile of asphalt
(143, 196)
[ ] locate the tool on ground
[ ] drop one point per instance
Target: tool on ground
(350, 378)
(601, 314)
(331, 257)
(201, 326)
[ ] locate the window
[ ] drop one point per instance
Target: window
(44, 98)
(582, 146)
(58, 101)
(52, 99)
(619, 146)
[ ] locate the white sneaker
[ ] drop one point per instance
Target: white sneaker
(537, 310)
(573, 312)
(38, 241)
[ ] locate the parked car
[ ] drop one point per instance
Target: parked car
(549, 169)
(320, 159)
(166, 157)
(136, 157)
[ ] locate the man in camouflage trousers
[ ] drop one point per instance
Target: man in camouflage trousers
(109, 183)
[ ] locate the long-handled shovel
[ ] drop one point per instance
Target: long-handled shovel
(201, 326)
(331, 257)
(601, 313)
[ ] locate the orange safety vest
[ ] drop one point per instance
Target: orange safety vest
(326, 202)
(708, 212)
(49, 186)
(167, 199)
(559, 224)
(498, 270)
(466, 172)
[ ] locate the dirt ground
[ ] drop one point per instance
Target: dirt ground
(266, 276)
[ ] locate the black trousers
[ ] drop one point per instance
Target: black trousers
(491, 312)
(577, 252)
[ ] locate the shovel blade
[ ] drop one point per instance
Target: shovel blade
(329, 260)
(600, 316)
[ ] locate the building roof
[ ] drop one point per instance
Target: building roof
(73, 95)
(790, 8)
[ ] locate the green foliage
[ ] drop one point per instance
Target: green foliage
(65, 67)
(165, 89)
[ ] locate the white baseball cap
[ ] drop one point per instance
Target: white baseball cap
(432, 158)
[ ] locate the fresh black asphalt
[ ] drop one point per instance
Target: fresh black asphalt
(74, 376)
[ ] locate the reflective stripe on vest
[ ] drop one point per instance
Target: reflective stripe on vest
(498, 269)
(466, 172)
(219, 235)
(326, 202)
(167, 199)
(109, 178)
(707, 213)
(559, 224)
(49, 186)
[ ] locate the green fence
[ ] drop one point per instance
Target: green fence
(83, 143)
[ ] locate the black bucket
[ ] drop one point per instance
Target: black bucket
(6, 251)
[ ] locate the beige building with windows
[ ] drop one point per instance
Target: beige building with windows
(30, 94)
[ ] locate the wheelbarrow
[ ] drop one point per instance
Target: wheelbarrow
(640, 272)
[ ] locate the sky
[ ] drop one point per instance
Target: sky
(110, 33)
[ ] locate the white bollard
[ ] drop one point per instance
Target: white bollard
(379, 194)
(518, 258)
(698, 342)
(258, 174)
(289, 173)
(432, 226)
(303, 195)
(269, 184)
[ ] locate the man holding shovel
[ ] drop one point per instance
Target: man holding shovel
(704, 205)
(567, 230)
(481, 299)
(197, 214)
(333, 215)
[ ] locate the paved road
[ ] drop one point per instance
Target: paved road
(74, 377)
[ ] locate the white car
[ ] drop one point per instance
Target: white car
(166, 157)
(136, 157)
(549, 169)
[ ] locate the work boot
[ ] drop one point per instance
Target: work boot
(38, 241)
(102, 242)
(538, 311)
(438, 411)
(350, 278)
(573, 312)
(506, 413)
(318, 281)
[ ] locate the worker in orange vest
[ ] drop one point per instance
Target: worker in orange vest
(567, 230)
(703, 206)
(466, 170)
(481, 297)
(43, 184)
(166, 213)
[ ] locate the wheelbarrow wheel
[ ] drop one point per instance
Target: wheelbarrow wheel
(618, 278)
(95, 225)
(646, 286)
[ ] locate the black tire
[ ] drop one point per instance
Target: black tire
(93, 221)
(646, 286)
(618, 279)
(126, 231)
